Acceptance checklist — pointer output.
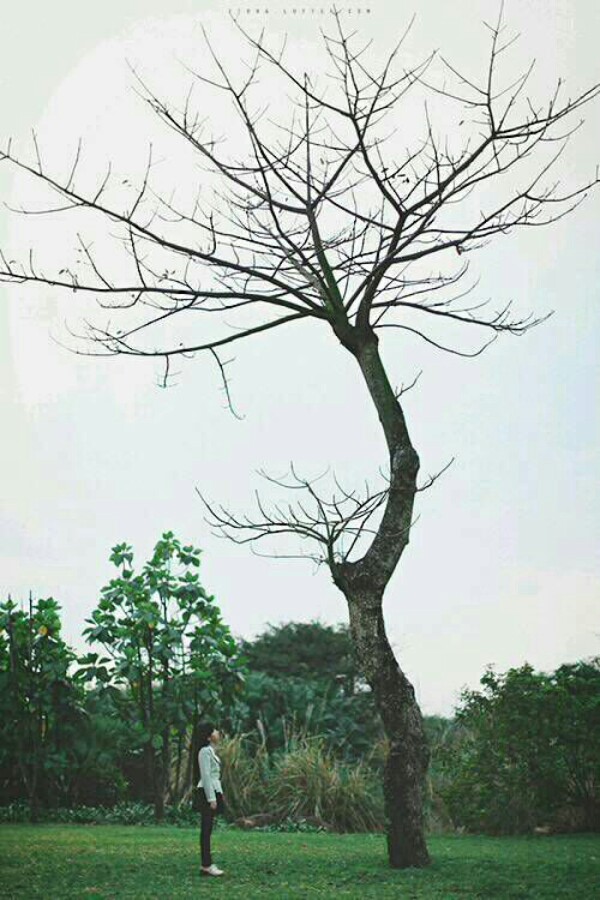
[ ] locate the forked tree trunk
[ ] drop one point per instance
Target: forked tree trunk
(363, 583)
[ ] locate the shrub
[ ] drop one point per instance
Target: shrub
(525, 753)
(304, 780)
(309, 781)
(245, 774)
(120, 814)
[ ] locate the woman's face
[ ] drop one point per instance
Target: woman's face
(215, 737)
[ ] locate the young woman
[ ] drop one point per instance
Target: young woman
(210, 791)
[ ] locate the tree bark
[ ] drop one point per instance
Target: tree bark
(363, 583)
(408, 754)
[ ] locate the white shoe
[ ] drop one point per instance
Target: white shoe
(212, 870)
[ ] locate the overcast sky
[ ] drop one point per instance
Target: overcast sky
(503, 563)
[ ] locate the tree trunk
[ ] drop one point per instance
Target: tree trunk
(152, 776)
(363, 583)
(34, 804)
(159, 784)
(175, 790)
(159, 798)
(164, 766)
(408, 755)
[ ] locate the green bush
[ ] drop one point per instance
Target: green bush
(120, 814)
(524, 752)
(302, 826)
(348, 721)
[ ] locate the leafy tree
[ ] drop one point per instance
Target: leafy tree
(322, 219)
(100, 750)
(303, 678)
(576, 692)
(286, 706)
(525, 750)
(307, 650)
(40, 704)
(170, 655)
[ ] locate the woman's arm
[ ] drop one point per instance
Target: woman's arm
(204, 762)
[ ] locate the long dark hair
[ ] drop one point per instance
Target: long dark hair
(205, 729)
(200, 737)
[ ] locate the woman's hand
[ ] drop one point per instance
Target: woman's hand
(213, 804)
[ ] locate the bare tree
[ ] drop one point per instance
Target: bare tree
(330, 218)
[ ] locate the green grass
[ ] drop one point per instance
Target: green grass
(59, 862)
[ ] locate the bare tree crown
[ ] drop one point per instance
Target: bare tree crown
(328, 216)
(332, 216)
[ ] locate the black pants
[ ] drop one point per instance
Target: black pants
(207, 816)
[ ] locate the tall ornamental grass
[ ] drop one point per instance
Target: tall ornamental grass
(309, 781)
(303, 780)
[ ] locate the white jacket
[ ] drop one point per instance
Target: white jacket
(210, 772)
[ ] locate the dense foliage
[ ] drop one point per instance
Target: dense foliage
(303, 679)
(170, 655)
(109, 736)
(116, 722)
(41, 709)
(305, 650)
(525, 751)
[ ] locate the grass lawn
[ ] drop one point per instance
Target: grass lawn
(58, 862)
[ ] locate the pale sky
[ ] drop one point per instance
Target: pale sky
(503, 563)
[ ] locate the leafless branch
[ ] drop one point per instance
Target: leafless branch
(338, 214)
